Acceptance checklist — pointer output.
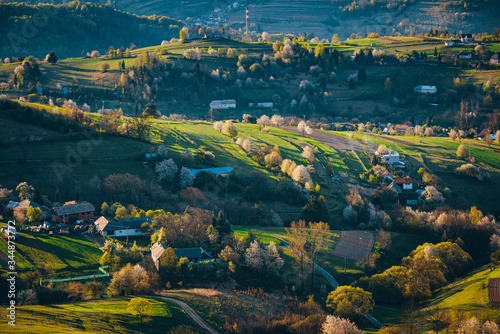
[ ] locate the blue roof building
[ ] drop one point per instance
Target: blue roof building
(215, 170)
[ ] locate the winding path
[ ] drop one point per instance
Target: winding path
(192, 314)
(331, 280)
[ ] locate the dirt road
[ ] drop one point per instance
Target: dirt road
(192, 314)
(332, 140)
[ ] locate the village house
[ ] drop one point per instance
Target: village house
(408, 198)
(73, 210)
(24, 205)
(223, 104)
(192, 254)
(391, 158)
(494, 60)
(452, 42)
(121, 228)
(261, 104)
(223, 171)
(422, 89)
(401, 128)
(405, 183)
(467, 38)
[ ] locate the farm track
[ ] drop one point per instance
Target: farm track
(331, 280)
(332, 140)
(192, 314)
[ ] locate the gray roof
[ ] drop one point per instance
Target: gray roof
(27, 203)
(157, 250)
(215, 170)
(73, 209)
(192, 253)
(102, 224)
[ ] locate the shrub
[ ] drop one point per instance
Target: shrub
(472, 171)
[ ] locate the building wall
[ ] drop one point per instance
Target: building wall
(123, 233)
(407, 186)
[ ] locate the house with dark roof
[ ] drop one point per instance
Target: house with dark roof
(467, 38)
(216, 170)
(408, 198)
(192, 254)
(494, 60)
(264, 103)
(73, 210)
(122, 227)
(423, 89)
(483, 134)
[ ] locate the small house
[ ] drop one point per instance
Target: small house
(192, 254)
(483, 134)
(10, 231)
(401, 128)
(261, 104)
(405, 183)
(73, 210)
(467, 38)
(24, 205)
(64, 231)
(452, 42)
(494, 60)
(223, 104)
(408, 198)
(391, 158)
(121, 228)
(150, 155)
(465, 55)
(39, 90)
(223, 171)
(387, 177)
(422, 89)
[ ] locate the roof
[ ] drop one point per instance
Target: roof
(223, 101)
(27, 203)
(72, 209)
(192, 253)
(405, 180)
(401, 126)
(421, 87)
(390, 153)
(484, 133)
(157, 250)
(103, 224)
(408, 195)
(215, 170)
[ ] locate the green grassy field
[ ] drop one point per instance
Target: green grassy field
(468, 295)
(438, 156)
(67, 255)
(101, 316)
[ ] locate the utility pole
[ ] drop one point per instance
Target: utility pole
(127, 236)
(248, 39)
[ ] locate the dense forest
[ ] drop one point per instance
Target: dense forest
(76, 28)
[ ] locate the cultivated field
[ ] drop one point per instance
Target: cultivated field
(494, 292)
(354, 245)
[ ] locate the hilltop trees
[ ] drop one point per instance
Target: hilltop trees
(51, 58)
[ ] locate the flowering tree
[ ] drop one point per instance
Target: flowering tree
(166, 170)
(186, 177)
(337, 325)
(274, 262)
(218, 126)
(301, 175)
(308, 154)
(229, 129)
(276, 120)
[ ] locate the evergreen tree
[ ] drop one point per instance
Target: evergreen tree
(315, 210)
(51, 58)
(362, 74)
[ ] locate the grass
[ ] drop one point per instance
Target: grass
(65, 254)
(468, 295)
(438, 156)
(101, 316)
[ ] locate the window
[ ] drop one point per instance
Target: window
(110, 233)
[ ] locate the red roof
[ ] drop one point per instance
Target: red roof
(406, 180)
(484, 133)
(401, 127)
